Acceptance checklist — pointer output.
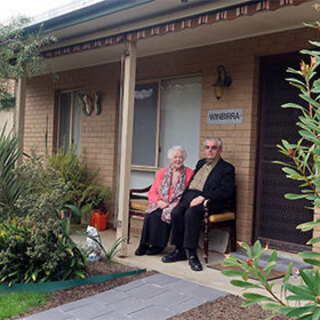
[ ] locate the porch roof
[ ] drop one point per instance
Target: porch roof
(164, 26)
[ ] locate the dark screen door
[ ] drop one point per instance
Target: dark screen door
(276, 217)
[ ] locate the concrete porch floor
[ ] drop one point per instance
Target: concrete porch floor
(208, 277)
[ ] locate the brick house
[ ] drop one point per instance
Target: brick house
(162, 57)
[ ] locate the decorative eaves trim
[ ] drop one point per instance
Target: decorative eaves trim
(215, 16)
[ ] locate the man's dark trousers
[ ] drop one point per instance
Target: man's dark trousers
(186, 222)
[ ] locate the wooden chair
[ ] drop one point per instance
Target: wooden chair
(138, 205)
(224, 220)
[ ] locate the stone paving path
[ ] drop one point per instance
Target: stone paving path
(157, 297)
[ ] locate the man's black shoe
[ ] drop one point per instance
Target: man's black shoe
(176, 255)
(154, 250)
(194, 263)
(141, 250)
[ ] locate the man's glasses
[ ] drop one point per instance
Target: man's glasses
(211, 147)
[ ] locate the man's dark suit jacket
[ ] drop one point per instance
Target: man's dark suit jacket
(219, 186)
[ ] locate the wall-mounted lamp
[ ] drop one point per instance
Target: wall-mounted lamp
(222, 81)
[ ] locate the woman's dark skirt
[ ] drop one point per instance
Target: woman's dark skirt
(155, 232)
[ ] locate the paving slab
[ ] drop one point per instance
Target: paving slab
(167, 299)
(157, 297)
(161, 279)
(154, 313)
(113, 315)
(89, 311)
(127, 306)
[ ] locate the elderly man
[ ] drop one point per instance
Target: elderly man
(213, 179)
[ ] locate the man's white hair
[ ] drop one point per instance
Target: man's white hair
(217, 140)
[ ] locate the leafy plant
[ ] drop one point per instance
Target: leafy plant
(7, 101)
(110, 253)
(33, 245)
(302, 301)
(45, 191)
(31, 188)
(19, 52)
(12, 186)
(84, 192)
(37, 251)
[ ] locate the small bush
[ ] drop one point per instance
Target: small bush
(33, 244)
(37, 251)
(84, 190)
(45, 191)
(12, 186)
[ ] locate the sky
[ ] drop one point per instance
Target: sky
(32, 8)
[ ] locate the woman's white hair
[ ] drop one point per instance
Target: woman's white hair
(174, 149)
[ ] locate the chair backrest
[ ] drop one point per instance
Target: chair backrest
(231, 205)
(139, 193)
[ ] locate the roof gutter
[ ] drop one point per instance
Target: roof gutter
(85, 14)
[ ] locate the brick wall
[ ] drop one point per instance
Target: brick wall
(99, 133)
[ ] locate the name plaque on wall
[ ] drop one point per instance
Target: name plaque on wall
(225, 116)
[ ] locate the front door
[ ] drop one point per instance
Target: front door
(276, 217)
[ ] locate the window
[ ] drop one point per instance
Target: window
(145, 128)
(166, 113)
(69, 121)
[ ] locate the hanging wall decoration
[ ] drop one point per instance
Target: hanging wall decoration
(90, 104)
(97, 102)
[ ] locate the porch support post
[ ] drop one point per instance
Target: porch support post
(129, 76)
(20, 113)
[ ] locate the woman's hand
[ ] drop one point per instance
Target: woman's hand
(162, 204)
(196, 201)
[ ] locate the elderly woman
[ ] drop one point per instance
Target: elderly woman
(165, 193)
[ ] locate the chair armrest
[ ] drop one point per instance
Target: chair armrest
(206, 203)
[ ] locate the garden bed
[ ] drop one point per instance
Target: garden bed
(226, 308)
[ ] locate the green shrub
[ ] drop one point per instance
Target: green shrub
(33, 244)
(29, 189)
(45, 191)
(37, 251)
(7, 101)
(12, 186)
(84, 190)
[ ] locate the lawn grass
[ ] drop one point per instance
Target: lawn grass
(12, 304)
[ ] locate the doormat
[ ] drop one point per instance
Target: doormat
(274, 274)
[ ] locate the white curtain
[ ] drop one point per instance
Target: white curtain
(180, 117)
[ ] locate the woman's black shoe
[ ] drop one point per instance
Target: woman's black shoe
(141, 250)
(154, 250)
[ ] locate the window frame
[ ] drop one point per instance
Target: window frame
(154, 168)
(72, 101)
(157, 149)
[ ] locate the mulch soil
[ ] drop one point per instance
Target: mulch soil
(224, 308)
